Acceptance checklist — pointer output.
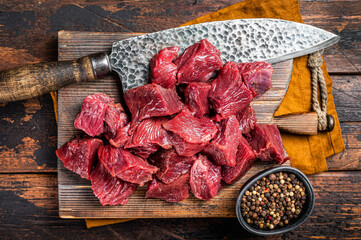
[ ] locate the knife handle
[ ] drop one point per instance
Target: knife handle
(30, 81)
(303, 124)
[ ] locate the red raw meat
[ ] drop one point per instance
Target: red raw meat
(173, 192)
(126, 166)
(162, 70)
(171, 165)
(91, 116)
(149, 133)
(144, 152)
(228, 94)
(115, 118)
(247, 119)
(151, 100)
(79, 155)
(190, 134)
(205, 178)
(267, 144)
(196, 98)
(198, 62)
(223, 148)
(121, 137)
(257, 75)
(108, 189)
(244, 161)
(101, 97)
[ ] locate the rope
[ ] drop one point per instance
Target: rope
(314, 62)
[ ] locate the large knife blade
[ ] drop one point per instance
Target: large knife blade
(241, 40)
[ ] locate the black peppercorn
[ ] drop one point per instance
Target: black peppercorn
(272, 201)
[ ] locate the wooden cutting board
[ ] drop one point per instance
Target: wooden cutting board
(76, 199)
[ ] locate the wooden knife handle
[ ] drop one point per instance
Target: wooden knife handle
(303, 124)
(34, 80)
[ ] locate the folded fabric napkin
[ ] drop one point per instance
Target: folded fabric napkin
(308, 153)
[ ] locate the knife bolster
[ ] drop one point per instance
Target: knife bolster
(100, 64)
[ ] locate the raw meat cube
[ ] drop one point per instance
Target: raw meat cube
(244, 161)
(247, 119)
(121, 137)
(151, 100)
(101, 97)
(190, 134)
(148, 136)
(115, 118)
(185, 148)
(79, 155)
(228, 94)
(257, 75)
(108, 189)
(171, 165)
(144, 152)
(205, 178)
(196, 98)
(174, 192)
(223, 148)
(267, 144)
(162, 70)
(149, 133)
(91, 116)
(126, 166)
(198, 62)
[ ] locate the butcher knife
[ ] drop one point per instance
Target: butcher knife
(241, 40)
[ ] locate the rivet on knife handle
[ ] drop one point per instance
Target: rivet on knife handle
(34, 80)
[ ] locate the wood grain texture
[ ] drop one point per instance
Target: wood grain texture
(34, 198)
(76, 199)
(298, 124)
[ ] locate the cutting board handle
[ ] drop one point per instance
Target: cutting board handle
(303, 124)
(30, 81)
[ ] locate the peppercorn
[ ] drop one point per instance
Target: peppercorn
(273, 200)
(272, 177)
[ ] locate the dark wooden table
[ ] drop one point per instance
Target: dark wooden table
(28, 132)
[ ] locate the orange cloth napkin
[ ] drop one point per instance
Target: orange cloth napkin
(308, 153)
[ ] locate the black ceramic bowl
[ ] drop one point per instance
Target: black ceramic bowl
(302, 217)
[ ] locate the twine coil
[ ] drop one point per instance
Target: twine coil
(318, 81)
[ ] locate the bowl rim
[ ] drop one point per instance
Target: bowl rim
(308, 211)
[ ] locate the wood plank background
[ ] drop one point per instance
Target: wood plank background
(28, 137)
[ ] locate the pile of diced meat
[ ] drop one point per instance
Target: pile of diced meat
(191, 130)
